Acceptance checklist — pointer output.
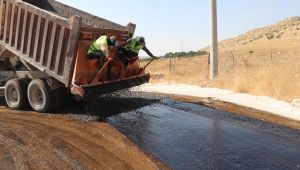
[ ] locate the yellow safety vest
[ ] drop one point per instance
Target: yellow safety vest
(96, 46)
(134, 46)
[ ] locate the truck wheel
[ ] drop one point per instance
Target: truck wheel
(16, 94)
(40, 95)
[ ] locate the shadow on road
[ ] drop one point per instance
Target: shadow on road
(103, 106)
(109, 105)
(2, 101)
(112, 106)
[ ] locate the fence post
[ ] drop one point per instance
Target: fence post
(271, 56)
(233, 59)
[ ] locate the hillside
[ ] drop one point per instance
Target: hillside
(263, 61)
(279, 37)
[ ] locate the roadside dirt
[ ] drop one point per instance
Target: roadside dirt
(31, 140)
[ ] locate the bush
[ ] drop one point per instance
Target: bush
(185, 54)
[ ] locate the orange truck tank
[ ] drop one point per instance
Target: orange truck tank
(45, 55)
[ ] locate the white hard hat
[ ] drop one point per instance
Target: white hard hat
(113, 38)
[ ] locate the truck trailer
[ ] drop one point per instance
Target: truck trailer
(44, 55)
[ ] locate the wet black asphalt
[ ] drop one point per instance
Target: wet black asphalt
(192, 136)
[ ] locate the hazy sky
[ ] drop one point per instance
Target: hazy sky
(166, 24)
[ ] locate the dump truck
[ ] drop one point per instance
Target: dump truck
(44, 55)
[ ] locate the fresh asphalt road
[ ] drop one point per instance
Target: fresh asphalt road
(191, 136)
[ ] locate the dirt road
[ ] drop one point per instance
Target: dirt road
(40, 141)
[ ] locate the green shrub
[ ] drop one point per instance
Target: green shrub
(185, 54)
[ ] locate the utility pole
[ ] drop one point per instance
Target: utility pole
(170, 70)
(214, 40)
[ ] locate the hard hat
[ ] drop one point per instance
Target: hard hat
(113, 39)
(141, 40)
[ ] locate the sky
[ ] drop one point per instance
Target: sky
(184, 25)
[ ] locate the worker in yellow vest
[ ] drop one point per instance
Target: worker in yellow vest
(99, 49)
(130, 49)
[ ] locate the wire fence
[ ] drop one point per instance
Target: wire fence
(270, 73)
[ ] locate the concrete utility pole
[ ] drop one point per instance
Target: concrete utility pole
(214, 41)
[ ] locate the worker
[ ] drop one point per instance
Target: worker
(130, 49)
(100, 49)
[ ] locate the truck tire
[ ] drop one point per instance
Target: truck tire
(40, 96)
(16, 94)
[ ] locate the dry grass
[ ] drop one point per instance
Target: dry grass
(277, 76)
(260, 75)
(263, 61)
(192, 70)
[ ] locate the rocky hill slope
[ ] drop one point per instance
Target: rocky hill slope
(280, 37)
